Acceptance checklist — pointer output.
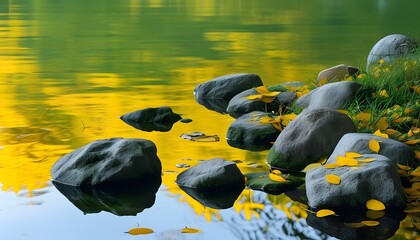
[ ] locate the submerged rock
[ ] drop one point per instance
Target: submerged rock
(337, 73)
(249, 129)
(330, 96)
(108, 162)
(215, 173)
(378, 180)
(390, 48)
(396, 151)
(152, 119)
(221, 90)
(309, 137)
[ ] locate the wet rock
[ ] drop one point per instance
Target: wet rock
(378, 180)
(396, 151)
(337, 73)
(152, 119)
(249, 129)
(215, 173)
(330, 96)
(107, 162)
(310, 136)
(124, 200)
(223, 89)
(261, 181)
(390, 48)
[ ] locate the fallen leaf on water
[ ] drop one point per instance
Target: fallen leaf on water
(370, 223)
(333, 179)
(324, 212)
(276, 178)
(374, 145)
(190, 230)
(139, 231)
(375, 205)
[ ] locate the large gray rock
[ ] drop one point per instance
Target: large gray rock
(248, 129)
(309, 137)
(330, 96)
(391, 47)
(374, 180)
(215, 174)
(397, 151)
(109, 161)
(152, 119)
(337, 73)
(223, 89)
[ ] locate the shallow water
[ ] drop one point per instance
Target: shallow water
(69, 69)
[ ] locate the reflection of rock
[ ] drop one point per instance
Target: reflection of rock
(17, 135)
(310, 136)
(121, 200)
(216, 173)
(378, 179)
(249, 146)
(341, 226)
(215, 94)
(108, 161)
(215, 199)
(152, 119)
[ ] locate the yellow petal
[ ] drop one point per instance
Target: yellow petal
(267, 99)
(354, 225)
(324, 212)
(262, 89)
(276, 171)
(374, 214)
(190, 230)
(382, 123)
(367, 160)
(375, 205)
(403, 167)
(381, 61)
(364, 117)
(331, 165)
(353, 154)
(254, 97)
(333, 179)
(412, 142)
(276, 178)
(267, 119)
(370, 223)
(139, 231)
(270, 94)
(277, 126)
(379, 134)
(384, 94)
(374, 145)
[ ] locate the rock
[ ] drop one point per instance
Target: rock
(216, 199)
(397, 151)
(108, 162)
(337, 73)
(390, 48)
(261, 181)
(310, 136)
(124, 200)
(152, 119)
(249, 129)
(212, 174)
(374, 180)
(224, 88)
(330, 96)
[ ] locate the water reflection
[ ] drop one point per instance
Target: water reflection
(214, 199)
(123, 200)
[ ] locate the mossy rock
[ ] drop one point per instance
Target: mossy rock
(261, 181)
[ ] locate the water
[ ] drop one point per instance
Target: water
(69, 69)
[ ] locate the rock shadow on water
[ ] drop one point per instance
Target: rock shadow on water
(125, 199)
(213, 198)
(214, 104)
(347, 225)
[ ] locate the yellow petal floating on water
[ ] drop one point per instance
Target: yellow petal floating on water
(324, 212)
(412, 142)
(333, 179)
(140, 231)
(190, 230)
(374, 145)
(375, 205)
(353, 154)
(382, 123)
(379, 134)
(276, 178)
(370, 223)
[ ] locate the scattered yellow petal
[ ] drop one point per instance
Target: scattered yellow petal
(254, 97)
(331, 165)
(364, 117)
(343, 111)
(384, 94)
(410, 133)
(139, 231)
(403, 167)
(276, 178)
(362, 75)
(346, 161)
(276, 171)
(412, 142)
(367, 160)
(262, 89)
(323, 81)
(354, 225)
(392, 132)
(270, 94)
(324, 212)
(374, 214)
(353, 154)
(323, 160)
(190, 230)
(381, 61)
(266, 99)
(333, 179)
(417, 154)
(375, 205)
(415, 174)
(382, 123)
(370, 223)
(374, 145)
(379, 134)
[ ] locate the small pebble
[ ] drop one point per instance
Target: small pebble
(186, 120)
(182, 165)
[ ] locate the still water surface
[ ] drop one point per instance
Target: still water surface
(69, 69)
